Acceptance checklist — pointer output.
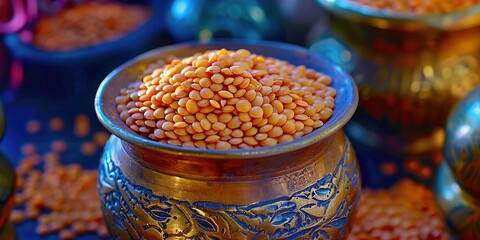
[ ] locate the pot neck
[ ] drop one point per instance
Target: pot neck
(215, 169)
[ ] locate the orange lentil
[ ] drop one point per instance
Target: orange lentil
(43, 198)
(102, 231)
(33, 127)
(88, 148)
(256, 112)
(56, 124)
(59, 146)
(82, 125)
(28, 149)
(226, 99)
(243, 106)
(17, 216)
(42, 230)
(407, 210)
(225, 94)
(66, 234)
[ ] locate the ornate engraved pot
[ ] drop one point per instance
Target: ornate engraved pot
(410, 71)
(305, 189)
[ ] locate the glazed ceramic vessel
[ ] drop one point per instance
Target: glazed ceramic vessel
(457, 185)
(305, 189)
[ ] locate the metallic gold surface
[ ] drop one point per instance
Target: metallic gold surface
(7, 189)
(456, 20)
(8, 232)
(308, 188)
(408, 82)
(462, 212)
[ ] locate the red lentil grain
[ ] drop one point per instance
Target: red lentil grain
(56, 124)
(28, 149)
(88, 148)
(33, 127)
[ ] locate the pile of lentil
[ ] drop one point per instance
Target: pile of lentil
(88, 24)
(406, 210)
(419, 6)
(62, 198)
(224, 99)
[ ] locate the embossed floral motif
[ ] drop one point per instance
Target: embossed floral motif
(318, 211)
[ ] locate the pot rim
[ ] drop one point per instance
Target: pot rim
(456, 20)
(345, 102)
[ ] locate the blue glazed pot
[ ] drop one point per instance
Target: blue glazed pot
(305, 189)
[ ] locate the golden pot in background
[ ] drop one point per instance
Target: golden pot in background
(410, 71)
(307, 188)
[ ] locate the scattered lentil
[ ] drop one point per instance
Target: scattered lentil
(88, 148)
(100, 138)
(56, 124)
(41, 195)
(208, 98)
(33, 126)
(59, 146)
(43, 190)
(82, 125)
(28, 149)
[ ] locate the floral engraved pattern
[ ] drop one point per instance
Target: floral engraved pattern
(320, 211)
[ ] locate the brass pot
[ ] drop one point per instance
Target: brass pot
(7, 192)
(410, 71)
(308, 188)
(457, 186)
(7, 186)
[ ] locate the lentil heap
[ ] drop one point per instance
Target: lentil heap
(419, 6)
(88, 24)
(225, 99)
(407, 210)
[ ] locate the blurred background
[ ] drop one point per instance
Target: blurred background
(54, 54)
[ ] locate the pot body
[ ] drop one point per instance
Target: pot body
(309, 193)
